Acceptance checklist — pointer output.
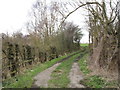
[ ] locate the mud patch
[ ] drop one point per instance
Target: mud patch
(41, 80)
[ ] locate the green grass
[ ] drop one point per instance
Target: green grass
(90, 81)
(59, 77)
(84, 44)
(98, 82)
(83, 64)
(26, 79)
(93, 81)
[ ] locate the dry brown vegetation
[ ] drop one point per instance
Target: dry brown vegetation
(103, 31)
(103, 26)
(45, 41)
(50, 36)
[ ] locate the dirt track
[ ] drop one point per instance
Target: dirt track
(41, 80)
(75, 77)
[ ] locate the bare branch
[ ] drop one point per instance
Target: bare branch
(87, 3)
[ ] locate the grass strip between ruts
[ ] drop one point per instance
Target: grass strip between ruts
(59, 77)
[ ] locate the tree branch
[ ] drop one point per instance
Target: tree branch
(87, 3)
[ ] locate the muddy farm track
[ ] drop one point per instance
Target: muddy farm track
(41, 80)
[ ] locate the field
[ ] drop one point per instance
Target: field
(84, 44)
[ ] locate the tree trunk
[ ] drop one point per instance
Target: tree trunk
(119, 52)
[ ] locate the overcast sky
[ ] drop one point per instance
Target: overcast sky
(14, 13)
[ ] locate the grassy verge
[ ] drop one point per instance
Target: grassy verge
(90, 81)
(59, 77)
(93, 81)
(26, 79)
